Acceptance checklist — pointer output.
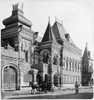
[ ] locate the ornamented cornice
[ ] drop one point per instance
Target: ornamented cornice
(5, 33)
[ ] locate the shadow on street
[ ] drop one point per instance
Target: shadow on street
(67, 96)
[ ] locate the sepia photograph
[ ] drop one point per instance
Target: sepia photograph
(47, 49)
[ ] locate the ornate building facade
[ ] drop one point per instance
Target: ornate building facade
(16, 50)
(55, 59)
(60, 58)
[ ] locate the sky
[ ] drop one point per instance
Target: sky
(77, 17)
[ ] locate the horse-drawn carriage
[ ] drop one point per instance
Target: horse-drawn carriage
(43, 87)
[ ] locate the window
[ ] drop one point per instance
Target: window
(78, 67)
(70, 65)
(26, 55)
(69, 78)
(75, 67)
(22, 47)
(36, 59)
(66, 65)
(45, 58)
(55, 60)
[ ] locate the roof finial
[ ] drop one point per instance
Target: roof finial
(86, 44)
(55, 18)
(48, 19)
(18, 6)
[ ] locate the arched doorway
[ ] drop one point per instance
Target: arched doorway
(9, 78)
(46, 78)
(39, 79)
(60, 81)
(56, 80)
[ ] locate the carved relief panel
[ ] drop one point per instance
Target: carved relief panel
(26, 47)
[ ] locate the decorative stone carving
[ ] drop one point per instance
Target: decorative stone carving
(55, 59)
(45, 55)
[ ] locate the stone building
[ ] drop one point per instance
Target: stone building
(59, 57)
(55, 59)
(87, 67)
(16, 50)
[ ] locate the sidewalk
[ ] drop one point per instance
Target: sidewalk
(27, 92)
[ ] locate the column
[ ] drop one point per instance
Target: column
(35, 75)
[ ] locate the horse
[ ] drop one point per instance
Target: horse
(43, 87)
(35, 86)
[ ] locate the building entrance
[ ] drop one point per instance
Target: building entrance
(9, 78)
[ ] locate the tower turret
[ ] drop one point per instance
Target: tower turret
(17, 17)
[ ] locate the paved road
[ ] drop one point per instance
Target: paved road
(69, 94)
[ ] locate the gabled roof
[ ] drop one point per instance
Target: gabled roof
(48, 35)
(85, 55)
(60, 32)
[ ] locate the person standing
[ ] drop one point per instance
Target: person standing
(76, 88)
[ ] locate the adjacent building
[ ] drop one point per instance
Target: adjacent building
(87, 68)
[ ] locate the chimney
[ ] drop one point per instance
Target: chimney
(67, 36)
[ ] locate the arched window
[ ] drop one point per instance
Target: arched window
(36, 59)
(73, 66)
(55, 59)
(78, 67)
(45, 54)
(39, 78)
(66, 64)
(70, 65)
(45, 58)
(46, 78)
(26, 55)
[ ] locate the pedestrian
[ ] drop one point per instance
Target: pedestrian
(76, 88)
(52, 88)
